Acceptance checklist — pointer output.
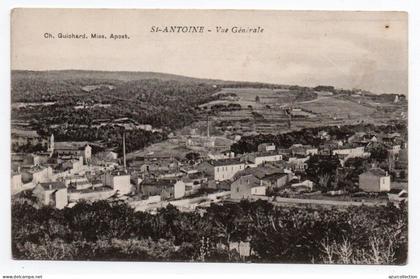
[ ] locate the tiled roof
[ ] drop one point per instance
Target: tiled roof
(225, 162)
(259, 172)
(70, 145)
(376, 172)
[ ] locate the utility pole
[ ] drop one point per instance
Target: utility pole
(124, 158)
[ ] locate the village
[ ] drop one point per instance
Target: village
(69, 172)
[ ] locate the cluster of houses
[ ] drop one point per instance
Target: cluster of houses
(65, 174)
(73, 171)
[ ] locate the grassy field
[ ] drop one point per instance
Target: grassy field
(246, 97)
(337, 107)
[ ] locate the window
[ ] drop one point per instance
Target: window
(237, 190)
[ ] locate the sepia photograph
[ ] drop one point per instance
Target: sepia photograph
(228, 136)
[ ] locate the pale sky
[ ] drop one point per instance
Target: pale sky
(343, 49)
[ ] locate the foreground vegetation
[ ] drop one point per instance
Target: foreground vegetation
(113, 231)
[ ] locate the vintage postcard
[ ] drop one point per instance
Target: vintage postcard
(209, 136)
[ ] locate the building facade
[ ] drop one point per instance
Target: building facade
(375, 180)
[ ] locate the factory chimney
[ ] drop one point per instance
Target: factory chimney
(208, 127)
(124, 158)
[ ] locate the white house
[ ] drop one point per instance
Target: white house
(16, 182)
(78, 182)
(375, 180)
(261, 157)
(266, 147)
(119, 181)
(37, 174)
(353, 152)
(51, 193)
(73, 149)
(306, 185)
(258, 191)
(179, 189)
(222, 169)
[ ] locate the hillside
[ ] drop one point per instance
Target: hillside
(101, 75)
(125, 76)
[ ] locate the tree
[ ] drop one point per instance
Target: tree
(193, 157)
(402, 175)
(378, 153)
(324, 181)
(320, 165)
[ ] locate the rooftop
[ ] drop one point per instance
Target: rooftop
(49, 186)
(225, 162)
(159, 183)
(376, 172)
(71, 145)
(266, 153)
(259, 172)
(395, 191)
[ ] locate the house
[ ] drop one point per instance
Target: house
(73, 149)
(298, 163)
(165, 188)
(21, 137)
(304, 186)
(218, 185)
(257, 158)
(244, 187)
(77, 182)
(214, 155)
(302, 150)
(16, 181)
(358, 151)
(222, 169)
(188, 169)
(260, 172)
(266, 147)
(36, 174)
(118, 180)
(106, 156)
(276, 180)
(258, 191)
(159, 164)
(242, 247)
(73, 165)
(375, 180)
(255, 181)
(51, 193)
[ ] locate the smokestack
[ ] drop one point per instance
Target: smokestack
(124, 158)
